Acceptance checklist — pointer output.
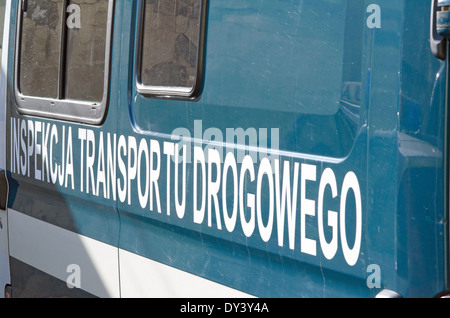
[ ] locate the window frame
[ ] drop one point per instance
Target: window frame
(72, 110)
(171, 92)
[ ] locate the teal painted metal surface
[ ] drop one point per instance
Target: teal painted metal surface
(348, 116)
(278, 62)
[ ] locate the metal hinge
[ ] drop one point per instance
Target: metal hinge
(439, 27)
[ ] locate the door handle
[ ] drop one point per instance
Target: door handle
(437, 42)
(4, 190)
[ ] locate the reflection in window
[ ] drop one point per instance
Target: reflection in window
(171, 43)
(85, 57)
(40, 48)
(60, 61)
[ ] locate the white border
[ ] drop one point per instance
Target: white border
(52, 249)
(143, 277)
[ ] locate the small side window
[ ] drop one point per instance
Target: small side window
(170, 56)
(62, 58)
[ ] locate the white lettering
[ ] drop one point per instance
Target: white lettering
(264, 169)
(30, 149)
(214, 186)
(287, 201)
(247, 227)
(199, 158)
(308, 207)
(328, 249)
(132, 164)
(230, 163)
(53, 141)
(111, 168)
(101, 170)
(168, 150)
(69, 160)
(257, 194)
(23, 134)
(122, 190)
(45, 159)
(351, 254)
(90, 159)
(180, 207)
(37, 149)
(143, 151)
(154, 173)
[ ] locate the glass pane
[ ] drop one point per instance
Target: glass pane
(86, 46)
(40, 47)
(171, 43)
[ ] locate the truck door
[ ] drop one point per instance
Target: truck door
(63, 230)
(244, 127)
(281, 149)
